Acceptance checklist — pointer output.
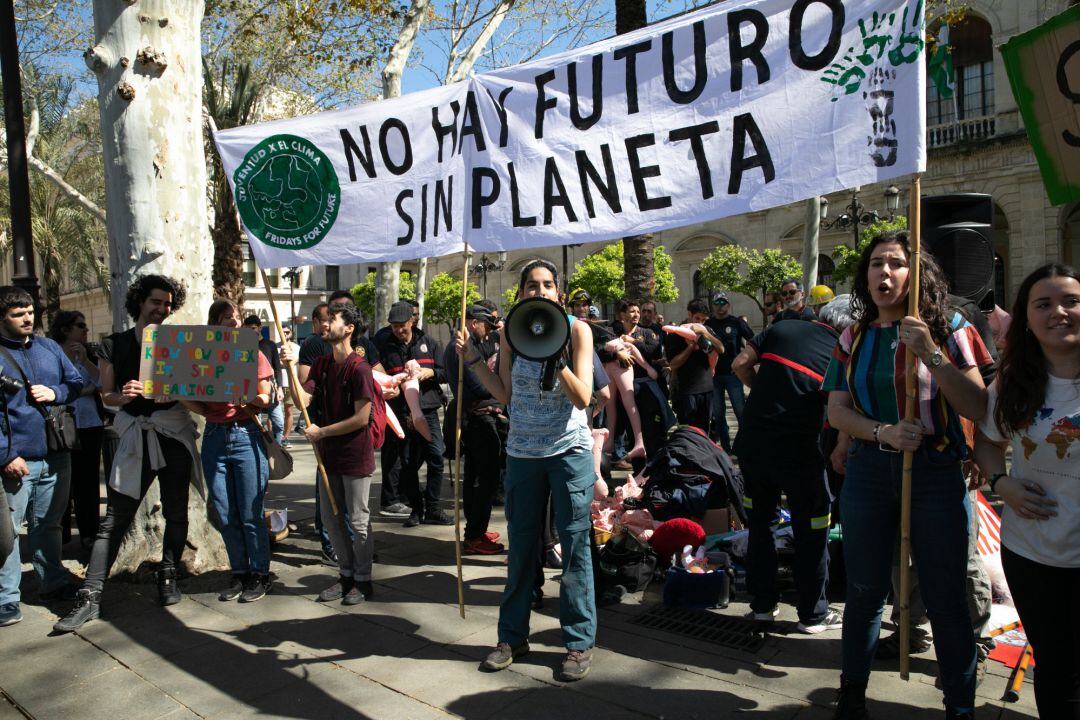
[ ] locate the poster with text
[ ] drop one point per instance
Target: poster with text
(199, 362)
(739, 107)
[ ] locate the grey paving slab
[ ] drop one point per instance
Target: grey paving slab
(336, 693)
(114, 695)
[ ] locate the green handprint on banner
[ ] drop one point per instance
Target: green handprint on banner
(881, 42)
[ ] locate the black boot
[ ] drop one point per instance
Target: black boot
(168, 590)
(87, 608)
(851, 701)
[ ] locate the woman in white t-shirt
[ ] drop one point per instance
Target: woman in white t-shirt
(1034, 406)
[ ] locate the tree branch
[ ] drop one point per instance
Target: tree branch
(399, 53)
(89, 205)
(481, 40)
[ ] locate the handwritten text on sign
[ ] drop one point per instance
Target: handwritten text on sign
(199, 362)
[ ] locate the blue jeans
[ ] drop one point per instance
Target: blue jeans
(733, 386)
(870, 499)
(277, 421)
(40, 499)
(236, 471)
(569, 478)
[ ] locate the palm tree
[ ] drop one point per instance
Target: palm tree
(229, 98)
(639, 279)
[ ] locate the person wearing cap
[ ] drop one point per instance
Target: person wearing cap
(483, 434)
(733, 332)
(408, 343)
(793, 300)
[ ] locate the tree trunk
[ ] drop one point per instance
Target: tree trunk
(388, 275)
(147, 59)
(639, 279)
(228, 247)
(810, 242)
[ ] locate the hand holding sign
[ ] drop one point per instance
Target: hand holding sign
(197, 362)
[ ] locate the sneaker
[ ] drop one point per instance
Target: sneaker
(437, 517)
(851, 701)
(889, 648)
(413, 521)
(576, 665)
(367, 589)
(285, 443)
(235, 589)
(503, 656)
(87, 608)
(329, 557)
(256, 588)
(168, 590)
(395, 510)
(10, 613)
(336, 591)
(833, 620)
(481, 546)
(355, 596)
(764, 616)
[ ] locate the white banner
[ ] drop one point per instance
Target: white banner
(739, 107)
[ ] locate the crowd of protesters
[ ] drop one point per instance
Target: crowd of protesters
(818, 396)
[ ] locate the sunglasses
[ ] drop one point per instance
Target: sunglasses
(789, 293)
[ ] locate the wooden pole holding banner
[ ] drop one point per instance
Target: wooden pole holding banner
(457, 432)
(911, 390)
(294, 388)
(294, 380)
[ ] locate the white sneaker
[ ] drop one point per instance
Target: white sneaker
(833, 620)
(765, 616)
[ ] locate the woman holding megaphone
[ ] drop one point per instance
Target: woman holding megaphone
(549, 449)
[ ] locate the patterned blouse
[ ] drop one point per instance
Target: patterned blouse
(870, 366)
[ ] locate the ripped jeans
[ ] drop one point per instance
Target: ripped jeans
(870, 500)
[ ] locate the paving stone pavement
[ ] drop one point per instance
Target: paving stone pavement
(408, 654)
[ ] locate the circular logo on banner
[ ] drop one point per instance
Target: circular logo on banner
(287, 192)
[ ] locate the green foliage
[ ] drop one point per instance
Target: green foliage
(442, 300)
(364, 295)
(847, 259)
(509, 299)
(602, 275)
(748, 272)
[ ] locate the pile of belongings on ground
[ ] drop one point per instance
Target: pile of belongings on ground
(651, 521)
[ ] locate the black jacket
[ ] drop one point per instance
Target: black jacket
(426, 351)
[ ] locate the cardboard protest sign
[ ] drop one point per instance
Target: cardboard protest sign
(199, 362)
(1044, 71)
(737, 107)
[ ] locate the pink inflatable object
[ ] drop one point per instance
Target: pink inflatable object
(411, 388)
(691, 337)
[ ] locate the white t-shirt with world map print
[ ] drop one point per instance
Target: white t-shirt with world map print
(1047, 452)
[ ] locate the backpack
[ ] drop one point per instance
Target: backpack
(377, 421)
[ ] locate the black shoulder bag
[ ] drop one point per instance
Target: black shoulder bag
(61, 435)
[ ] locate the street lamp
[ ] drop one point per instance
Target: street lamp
(486, 266)
(856, 214)
(293, 276)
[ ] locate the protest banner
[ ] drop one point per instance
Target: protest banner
(1044, 71)
(199, 362)
(737, 107)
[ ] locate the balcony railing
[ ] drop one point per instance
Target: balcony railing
(962, 131)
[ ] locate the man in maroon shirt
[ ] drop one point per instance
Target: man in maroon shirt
(341, 387)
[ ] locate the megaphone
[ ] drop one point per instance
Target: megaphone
(537, 329)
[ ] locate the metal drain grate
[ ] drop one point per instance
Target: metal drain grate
(731, 632)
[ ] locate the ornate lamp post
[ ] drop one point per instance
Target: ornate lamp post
(486, 266)
(293, 276)
(856, 214)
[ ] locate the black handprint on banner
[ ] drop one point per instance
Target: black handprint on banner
(879, 103)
